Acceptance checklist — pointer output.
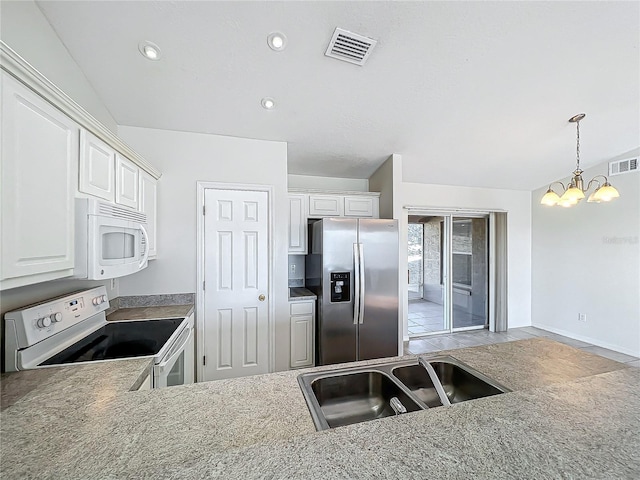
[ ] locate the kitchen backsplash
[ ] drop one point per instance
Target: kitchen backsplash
(296, 270)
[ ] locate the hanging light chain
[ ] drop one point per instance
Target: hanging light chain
(578, 145)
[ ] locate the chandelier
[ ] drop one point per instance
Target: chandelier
(575, 191)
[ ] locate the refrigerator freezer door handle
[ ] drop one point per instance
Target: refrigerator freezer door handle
(362, 285)
(356, 279)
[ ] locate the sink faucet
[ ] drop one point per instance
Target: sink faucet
(397, 406)
(435, 380)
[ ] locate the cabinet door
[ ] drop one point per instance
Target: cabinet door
(359, 206)
(147, 205)
(298, 224)
(302, 341)
(97, 167)
(39, 159)
(126, 182)
(326, 205)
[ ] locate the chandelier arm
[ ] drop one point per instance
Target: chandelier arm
(553, 183)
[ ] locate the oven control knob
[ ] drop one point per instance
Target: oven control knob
(56, 317)
(96, 301)
(44, 322)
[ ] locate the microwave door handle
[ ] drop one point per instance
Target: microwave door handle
(146, 250)
(178, 350)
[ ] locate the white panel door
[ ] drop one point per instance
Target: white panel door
(97, 167)
(236, 307)
(39, 158)
(126, 182)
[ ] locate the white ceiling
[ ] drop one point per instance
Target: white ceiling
(470, 93)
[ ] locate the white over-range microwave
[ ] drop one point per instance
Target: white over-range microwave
(111, 241)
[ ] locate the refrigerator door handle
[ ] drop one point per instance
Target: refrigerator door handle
(356, 279)
(362, 285)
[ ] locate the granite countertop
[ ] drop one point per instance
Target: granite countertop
(150, 312)
(571, 414)
(300, 293)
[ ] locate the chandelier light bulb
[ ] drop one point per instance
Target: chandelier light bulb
(550, 198)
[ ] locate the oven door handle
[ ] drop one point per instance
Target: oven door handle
(177, 350)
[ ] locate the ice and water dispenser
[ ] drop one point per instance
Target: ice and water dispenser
(340, 287)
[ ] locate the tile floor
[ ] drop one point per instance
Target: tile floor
(484, 337)
(426, 317)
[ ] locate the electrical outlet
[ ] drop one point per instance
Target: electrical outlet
(292, 268)
(582, 317)
(113, 284)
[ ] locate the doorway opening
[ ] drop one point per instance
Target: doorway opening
(448, 273)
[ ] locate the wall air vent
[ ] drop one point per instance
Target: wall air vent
(623, 166)
(350, 47)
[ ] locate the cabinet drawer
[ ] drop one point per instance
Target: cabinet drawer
(301, 308)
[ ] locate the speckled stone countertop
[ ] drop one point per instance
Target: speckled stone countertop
(300, 293)
(148, 313)
(571, 415)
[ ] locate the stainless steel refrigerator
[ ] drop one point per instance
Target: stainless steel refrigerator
(353, 269)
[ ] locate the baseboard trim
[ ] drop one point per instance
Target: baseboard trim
(582, 338)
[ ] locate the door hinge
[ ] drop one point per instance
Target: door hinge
(203, 285)
(203, 210)
(204, 360)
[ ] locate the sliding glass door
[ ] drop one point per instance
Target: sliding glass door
(469, 272)
(448, 273)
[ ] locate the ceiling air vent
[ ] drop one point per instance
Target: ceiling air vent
(350, 47)
(623, 166)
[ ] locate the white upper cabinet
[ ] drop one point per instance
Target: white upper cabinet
(148, 187)
(298, 224)
(361, 206)
(97, 167)
(39, 164)
(326, 205)
(126, 182)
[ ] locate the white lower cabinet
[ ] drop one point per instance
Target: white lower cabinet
(302, 321)
(39, 164)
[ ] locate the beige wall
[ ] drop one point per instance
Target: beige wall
(184, 159)
(586, 259)
(26, 30)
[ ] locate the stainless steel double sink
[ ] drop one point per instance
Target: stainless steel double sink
(351, 395)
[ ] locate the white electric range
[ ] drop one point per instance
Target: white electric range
(72, 329)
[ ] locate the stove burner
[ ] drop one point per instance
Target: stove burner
(119, 340)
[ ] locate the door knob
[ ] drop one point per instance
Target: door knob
(261, 298)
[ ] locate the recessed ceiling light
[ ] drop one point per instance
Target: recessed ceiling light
(268, 103)
(277, 41)
(149, 50)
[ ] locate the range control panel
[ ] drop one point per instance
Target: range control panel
(340, 287)
(39, 321)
